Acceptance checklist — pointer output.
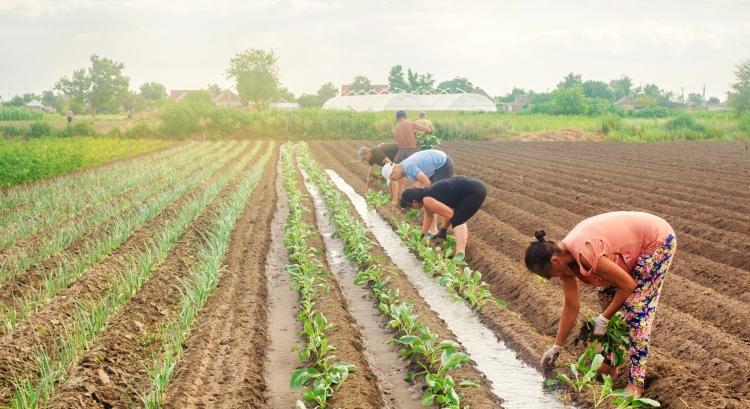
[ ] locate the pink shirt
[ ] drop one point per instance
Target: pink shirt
(620, 236)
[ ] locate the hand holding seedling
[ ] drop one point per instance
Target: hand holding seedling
(550, 356)
(600, 325)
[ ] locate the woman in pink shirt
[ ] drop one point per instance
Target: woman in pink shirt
(626, 255)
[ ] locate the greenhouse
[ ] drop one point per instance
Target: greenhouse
(411, 102)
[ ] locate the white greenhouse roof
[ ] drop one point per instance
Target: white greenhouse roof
(411, 102)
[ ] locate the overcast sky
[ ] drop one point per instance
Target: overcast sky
(187, 44)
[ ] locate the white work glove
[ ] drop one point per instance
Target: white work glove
(549, 357)
(600, 325)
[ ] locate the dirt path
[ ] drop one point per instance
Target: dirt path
(384, 360)
(283, 307)
(223, 365)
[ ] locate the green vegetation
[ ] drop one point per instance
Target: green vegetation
(12, 113)
(436, 358)
(25, 161)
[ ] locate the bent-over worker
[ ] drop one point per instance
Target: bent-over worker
(379, 155)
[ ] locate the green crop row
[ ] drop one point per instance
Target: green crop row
(26, 161)
(11, 113)
(309, 278)
(34, 389)
(68, 269)
(204, 278)
(435, 357)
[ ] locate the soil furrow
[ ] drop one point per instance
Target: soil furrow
(132, 337)
(223, 365)
(49, 323)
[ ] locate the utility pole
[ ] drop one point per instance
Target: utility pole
(704, 96)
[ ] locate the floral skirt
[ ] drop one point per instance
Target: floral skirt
(640, 307)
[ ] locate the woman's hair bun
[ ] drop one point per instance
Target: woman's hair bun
(539, 235)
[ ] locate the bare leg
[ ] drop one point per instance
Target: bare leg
(394, 192)
(433, 226)
(462, 237)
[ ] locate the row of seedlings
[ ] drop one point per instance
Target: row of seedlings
(204, 277)
(66, 269)
(33, 390)
(25, 254)
(452, 272)
(436, 358)
(323, 371)
(25, 210)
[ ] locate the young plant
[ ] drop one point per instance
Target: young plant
(377, 198)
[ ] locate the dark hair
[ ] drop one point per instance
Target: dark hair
(539, 253)
(410, 195)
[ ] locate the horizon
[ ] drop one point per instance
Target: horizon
(188, 45)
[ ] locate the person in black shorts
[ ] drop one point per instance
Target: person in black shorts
(456, 199)
(379, 155)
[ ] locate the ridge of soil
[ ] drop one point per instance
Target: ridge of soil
(48, 324)
(223, 365)
(132, 338)
(689, 347)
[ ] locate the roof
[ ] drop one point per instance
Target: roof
(394, 102)
(377, 88)
(227, 96)
(34, 103)
(177, 94)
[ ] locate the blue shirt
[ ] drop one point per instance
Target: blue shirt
(427, 162)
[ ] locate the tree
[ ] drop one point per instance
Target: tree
(396, 80)
(284, 95)
(597, 89)
(153, 91)
(214, 89)
(714, 101)
(326, 92)
(739, 97)
(134, 102)
(570, 81)
(458, 84)
(309, 101)
(50, 99)
(76, 89)
(360, 84)
(102, 86)
(569, 101)
(256, 75)
(622, 87)
(695, 98)
(108, 85)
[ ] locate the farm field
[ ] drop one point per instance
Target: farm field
(700, 188)
(244, 274)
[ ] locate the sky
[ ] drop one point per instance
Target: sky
(532, 44)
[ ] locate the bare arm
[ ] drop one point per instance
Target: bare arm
(421, 128)
(609, 271)
(436, 207)
(369, 176)
(427, 222)
(423, 180)
(570, 309)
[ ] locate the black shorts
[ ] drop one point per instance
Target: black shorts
(404, 153)
(443, 172)
(469, 205)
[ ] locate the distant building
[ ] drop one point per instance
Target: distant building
(626, 103)
(284, 106)
(227, 99)
(377, 89)
(35, 105)
(521, 102)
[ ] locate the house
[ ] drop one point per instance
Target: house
(521, 102)
(377, 89)
(227, 99)
(35, 105)
(626, 103)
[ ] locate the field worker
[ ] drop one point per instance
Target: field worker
(626, 255)
(424, 167)
(455, 199)
(424, 122)
(379, 155)
(405, 135)
(69, 117)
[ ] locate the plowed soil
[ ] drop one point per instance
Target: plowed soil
(701, 335)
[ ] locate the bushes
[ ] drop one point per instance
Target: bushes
(39, 129)
(42, 129)
(744, 123)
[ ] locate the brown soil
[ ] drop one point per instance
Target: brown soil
(360, 390)
(701, 334)
(47, 325)
(223, 365)
(132, 338)
(21, 283)
(567, 134)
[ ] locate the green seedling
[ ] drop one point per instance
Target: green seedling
(615, 341)
(584, 371)
(377, 198)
